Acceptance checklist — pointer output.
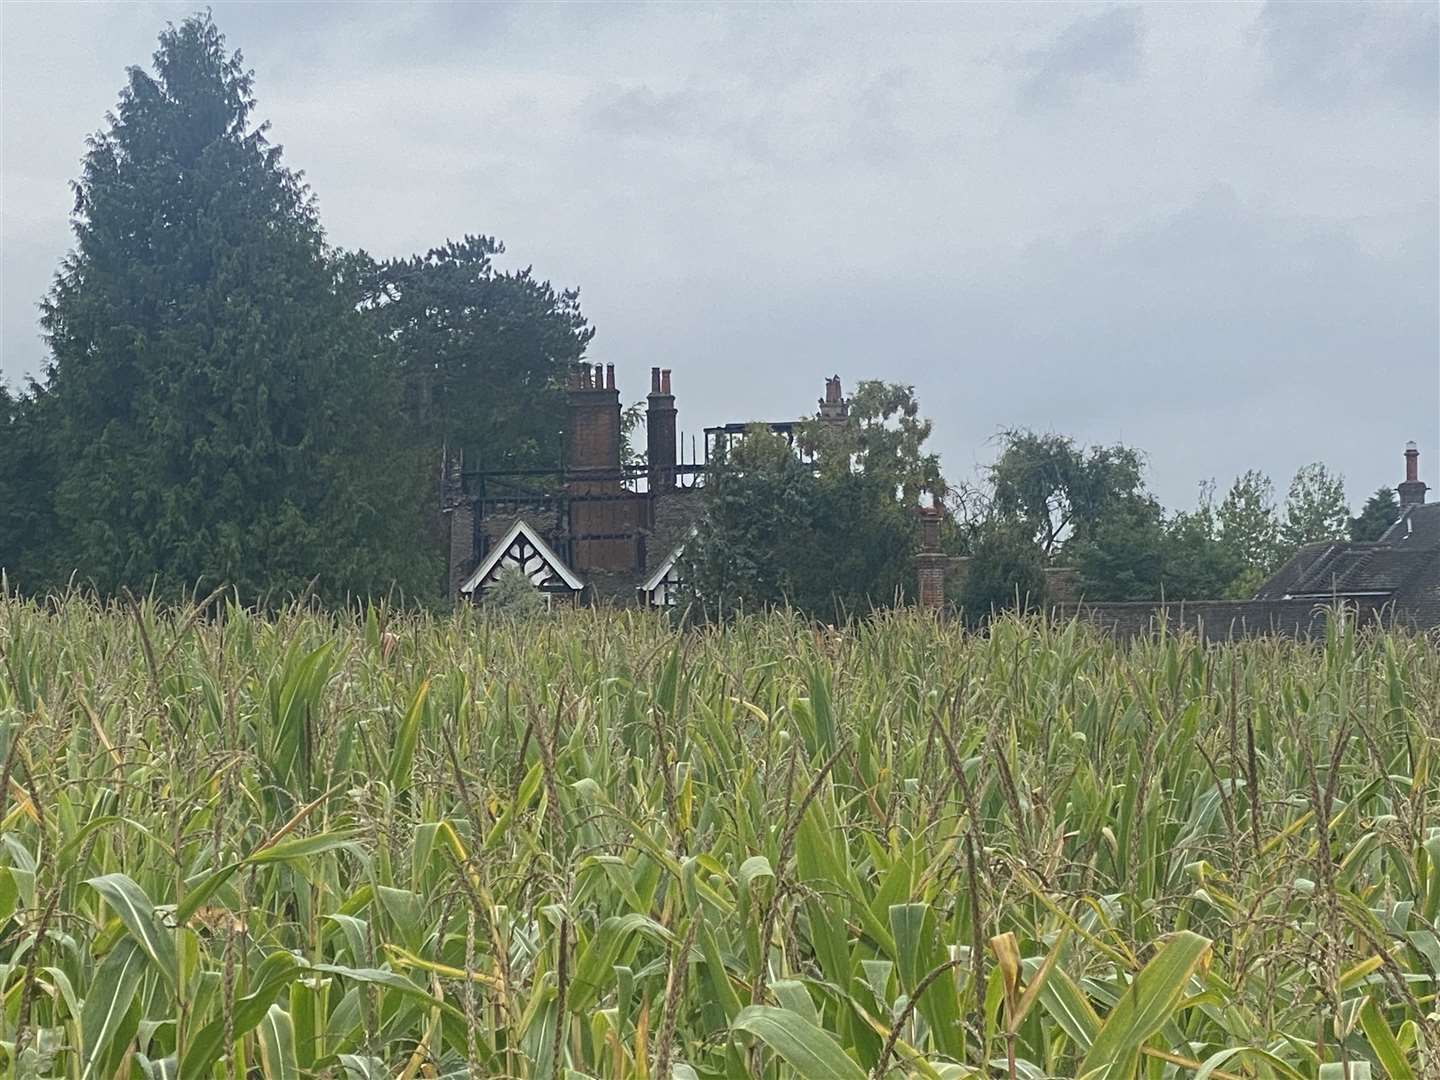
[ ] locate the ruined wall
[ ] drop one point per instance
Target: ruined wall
(674, 513)
(463, 555)
(605, 532)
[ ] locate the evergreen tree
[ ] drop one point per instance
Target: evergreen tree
(757, 500)
(1146, 557)
(222, 414)
(513, 595)
(1381, 511)
(27, 481)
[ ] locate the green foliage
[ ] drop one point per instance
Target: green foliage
(882, 437)
(389, 845)
(483, 353)
(221, 414)
(1005, 569)
(830, 543)
(757, 509)
(1248, 526)
(1381, 511)
(513, 595)
(1315, 508)
(1143, 556)
(1062, 490)
(29, 470)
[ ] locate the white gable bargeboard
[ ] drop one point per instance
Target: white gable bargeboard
(522, 546)
(662, 588)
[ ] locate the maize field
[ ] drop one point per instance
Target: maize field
(593, 846)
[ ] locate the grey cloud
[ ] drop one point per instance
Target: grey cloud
(758, 197)
(1334, 55)
(1233, 326)
(1106, 45)
(639, 110)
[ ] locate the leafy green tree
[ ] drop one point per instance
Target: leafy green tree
(1062, 490)
(1315, 508)
(222, 413)
(483, 353)
(1006, 569)
(1144, 556)
(758, 497)
(883, 437)
(1381, 511)
(1249, 530)
(859, 550)
(776, 530)
(1198, 564)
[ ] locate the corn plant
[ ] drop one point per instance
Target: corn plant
(591, 846)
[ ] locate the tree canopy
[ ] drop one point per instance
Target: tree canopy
(831, 537)
(1315, 508)
(221, 414)
(1005, 571)
(1061, 489)
(482, 353)
(1380, 511)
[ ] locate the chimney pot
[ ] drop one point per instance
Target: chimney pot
(1412, 491)
(665, 380)
(654, 380)
(609, 376)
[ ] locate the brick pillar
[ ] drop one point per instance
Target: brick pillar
(930, 561)
(833, 406)
(660, 431)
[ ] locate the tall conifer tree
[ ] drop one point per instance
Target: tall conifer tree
(222, 410)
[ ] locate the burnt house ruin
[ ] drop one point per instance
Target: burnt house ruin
(598, 529)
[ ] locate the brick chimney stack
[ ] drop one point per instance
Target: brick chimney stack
(592, 435)
(660, 431)
(1412, 491)
(833, 407)
(930, 562)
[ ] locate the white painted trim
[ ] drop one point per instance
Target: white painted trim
(653, 581)
(667, 564)
(497, 552)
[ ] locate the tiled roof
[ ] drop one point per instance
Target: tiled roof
(1418, 527)
(1304, 563)
(1403, 566)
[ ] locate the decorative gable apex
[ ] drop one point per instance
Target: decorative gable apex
(522, 546)
(662, 587)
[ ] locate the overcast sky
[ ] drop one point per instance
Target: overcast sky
(1209, 231)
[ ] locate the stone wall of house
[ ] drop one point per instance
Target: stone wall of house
(462, 556)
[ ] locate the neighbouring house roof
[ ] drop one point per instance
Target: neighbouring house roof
(1418, 527)
(1396, 567)
(527, 549)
